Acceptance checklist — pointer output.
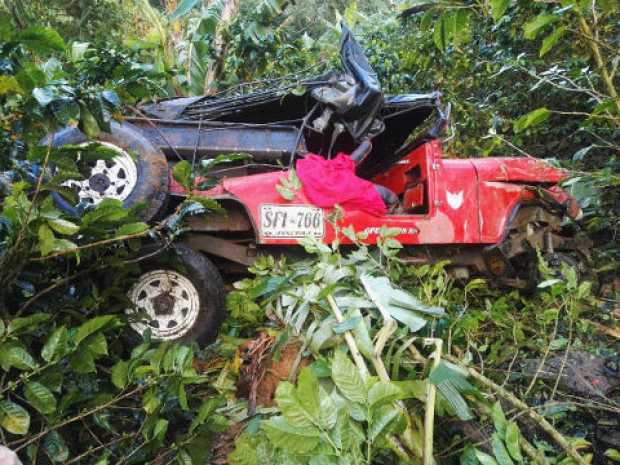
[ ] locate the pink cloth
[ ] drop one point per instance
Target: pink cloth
(330, 182)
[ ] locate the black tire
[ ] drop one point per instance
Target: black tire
(207, 282)
(151, 187)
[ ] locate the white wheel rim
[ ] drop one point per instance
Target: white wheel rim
(170, 302)
(108, 179)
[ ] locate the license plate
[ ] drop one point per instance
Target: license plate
(291, 221)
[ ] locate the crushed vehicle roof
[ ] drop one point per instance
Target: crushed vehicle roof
(338, 109)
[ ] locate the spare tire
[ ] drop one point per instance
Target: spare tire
(139, 174)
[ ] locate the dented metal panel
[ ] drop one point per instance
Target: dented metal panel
(512, 169)
(450, 218)
(456, 205)
(208, 139)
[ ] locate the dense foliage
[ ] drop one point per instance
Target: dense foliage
(529, 78)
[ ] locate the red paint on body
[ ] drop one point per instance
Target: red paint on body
(464, 201)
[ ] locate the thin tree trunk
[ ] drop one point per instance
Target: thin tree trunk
(216, 65)
(598, 59)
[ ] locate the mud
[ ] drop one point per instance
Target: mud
(260, 371)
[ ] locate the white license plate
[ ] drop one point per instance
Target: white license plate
(291, 221)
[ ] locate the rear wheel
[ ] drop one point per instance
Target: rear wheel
(179, 296)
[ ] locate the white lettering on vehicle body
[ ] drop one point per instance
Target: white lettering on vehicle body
(291, 221)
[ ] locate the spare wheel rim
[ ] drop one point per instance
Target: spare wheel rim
(170, 301)
(108, 179)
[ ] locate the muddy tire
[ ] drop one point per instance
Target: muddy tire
(139, 175)
(180, 295)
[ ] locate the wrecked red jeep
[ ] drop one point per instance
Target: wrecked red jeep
(483, 215)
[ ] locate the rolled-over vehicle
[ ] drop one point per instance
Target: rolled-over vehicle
(487, 216)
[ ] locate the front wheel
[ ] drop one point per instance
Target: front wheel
(179, 296)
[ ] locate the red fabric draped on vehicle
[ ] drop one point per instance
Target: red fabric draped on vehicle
(330, 182)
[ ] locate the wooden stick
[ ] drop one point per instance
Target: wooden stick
(431, 393)
(559, 439)
(389, 327)
(348, 337)
(393, 442)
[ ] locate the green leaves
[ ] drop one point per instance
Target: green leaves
(613, 454)
(56, 345)
(499, 419)
(49, 243)
(14, 418)
(88, 122)
(347, 378)
(291, 408)
(15, 355)
(91, 343)
(452, 27)
(308, 392)
(63, 226)
(120, 374)
(499, 450)
(183, 8)
(396, 303)
(533, 118)
(8, 84)
(440, 33)
(512, 439)
(130, 229)
(505, 440)
(288, 185)
(55, 447)
(40, 397)
(380, 421)
(383, 392)
(207, 164)
(485, 459)
(41, 39)
(27, 324)
(182, 173)
(206, 409)
(300, 406)
(44, 95)
(328, 413)
(552, 39)
(498, 8)
(451, 383)
(178, 358)
(533, 27)
(108, 211)
(93, 325)
(298, 440)
(360, 332)
(309, 412)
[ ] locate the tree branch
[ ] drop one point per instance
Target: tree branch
(48, 430)
(557, 437)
